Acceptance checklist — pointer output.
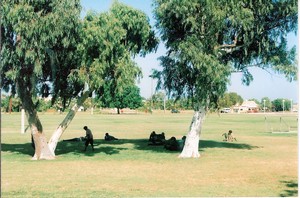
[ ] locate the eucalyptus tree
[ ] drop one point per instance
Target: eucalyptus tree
(108, 43)
(208, 40)
(38, 43)
(48, 50)
(129, 97)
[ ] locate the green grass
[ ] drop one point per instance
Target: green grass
(260, 163)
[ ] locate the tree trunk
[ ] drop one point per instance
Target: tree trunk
(191, 146)
(40, 142)
(42, 150)
(65, 123)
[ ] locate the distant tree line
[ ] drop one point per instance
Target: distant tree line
(130, 98)
(232, 98)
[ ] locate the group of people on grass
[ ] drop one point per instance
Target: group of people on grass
(171, 144)
(89, 139)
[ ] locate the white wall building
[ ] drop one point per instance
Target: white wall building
(246, 107)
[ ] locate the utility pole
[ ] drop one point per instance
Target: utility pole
(151, 99)
(164, 102)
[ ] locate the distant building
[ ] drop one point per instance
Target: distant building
(246, 107)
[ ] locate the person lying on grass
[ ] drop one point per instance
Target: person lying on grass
(108, 137)
(75, 139)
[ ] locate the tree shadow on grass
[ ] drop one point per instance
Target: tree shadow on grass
(114, 147)
(25, 149)
(292, 189)
(78, 147)
(217, 144)
(62, 148)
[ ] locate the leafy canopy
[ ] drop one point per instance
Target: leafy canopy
(48, 50)
(230, 99)
(109, 41)
(39, 46)
(207, 40)
(129, 97)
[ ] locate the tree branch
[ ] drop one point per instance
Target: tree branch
(231, 46)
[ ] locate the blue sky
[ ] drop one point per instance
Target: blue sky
(264, 84)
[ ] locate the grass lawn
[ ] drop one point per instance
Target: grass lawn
(260, 163)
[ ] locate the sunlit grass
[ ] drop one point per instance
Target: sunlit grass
(260, 163)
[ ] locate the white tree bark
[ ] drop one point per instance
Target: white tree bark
(42, 150)
(61, 128)
(191, 146)
(65, 123)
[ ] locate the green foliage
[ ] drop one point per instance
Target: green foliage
(139, 38)
(10, 104)
(230, 99)
(38, 46)
(266, 103)
(48, 50)
(281, 104)
(129, 97)
(43, 105)
(207, 40)
(109, 41)
(157, 100)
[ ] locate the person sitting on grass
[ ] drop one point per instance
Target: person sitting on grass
(225, 137)
(181, 142)
(228, 137)
(108, 137)
(151, 138)
(231, 137)
(172, 144)
(157, 139)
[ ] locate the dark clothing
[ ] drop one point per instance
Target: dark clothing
(109, 137)
(75, 139)
(88, 138)
(89, 141)
(181, 143)
(89, 134)
(157, 139)
(172, 144)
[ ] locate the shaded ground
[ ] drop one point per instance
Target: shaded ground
(292, 189)
(114, 147)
